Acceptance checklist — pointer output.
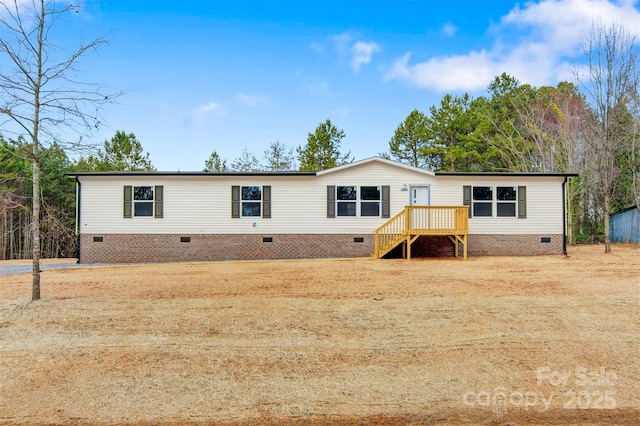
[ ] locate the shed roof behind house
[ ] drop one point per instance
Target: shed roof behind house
(623, 210)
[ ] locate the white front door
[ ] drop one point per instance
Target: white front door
(419, 195)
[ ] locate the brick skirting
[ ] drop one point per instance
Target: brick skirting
(515, 245)
(137, 248)
(485, 245)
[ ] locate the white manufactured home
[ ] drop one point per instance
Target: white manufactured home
(374, 207)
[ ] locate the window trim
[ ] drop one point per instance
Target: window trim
(237, 201)
(353, 201)
(490, 202)
(248, 189)
(520, 202)
(513, 202)
(333, 201)
(149, 202)
(371, 201)
(129, 202)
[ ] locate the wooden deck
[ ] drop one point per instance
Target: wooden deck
(415, 221)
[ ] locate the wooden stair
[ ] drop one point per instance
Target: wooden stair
(414, 221)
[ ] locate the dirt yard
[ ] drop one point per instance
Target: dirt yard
(503, 340)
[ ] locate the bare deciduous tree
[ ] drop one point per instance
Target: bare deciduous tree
(246, 162)
(634, 157)
(42, 98)
(610, 82)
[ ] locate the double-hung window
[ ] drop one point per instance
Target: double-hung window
(498, 201)
(251, 201)
(346, 197)
(506, 199)
(482, 201)
(371, 201)
(143, 201)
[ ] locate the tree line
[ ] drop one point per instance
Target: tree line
(57, 192)
(520, 128)
(515, 127)
(124, 152)
(322, 151)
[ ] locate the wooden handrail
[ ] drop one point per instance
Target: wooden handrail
(390, 234)
(421, 220)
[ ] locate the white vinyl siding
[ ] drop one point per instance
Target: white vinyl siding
(544, 203)
(202, 204)
(373, 174)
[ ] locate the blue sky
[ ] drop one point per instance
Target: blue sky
(225, 75)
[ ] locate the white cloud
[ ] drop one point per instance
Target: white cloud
(342, 42)
(28, 9)
(11, 4)
(24, 9)
(362, 53)
(562, 24)
(202, 112)
(462, 72)
(358, 52)
(449, 29)
(250, 100)
(534, 43)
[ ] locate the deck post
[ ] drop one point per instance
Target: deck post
(377, 249)
(407, 218)
(466, 238)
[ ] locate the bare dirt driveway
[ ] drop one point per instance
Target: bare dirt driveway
(500, 340)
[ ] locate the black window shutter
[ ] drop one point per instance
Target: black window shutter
(522, 202)
(466, 197)
(235, 201)
(331, 201)
(386, 204)
(266, 202)
(158, 199)
(128, 192)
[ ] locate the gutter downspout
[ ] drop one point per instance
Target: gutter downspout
(78, 188)
(564, 216)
